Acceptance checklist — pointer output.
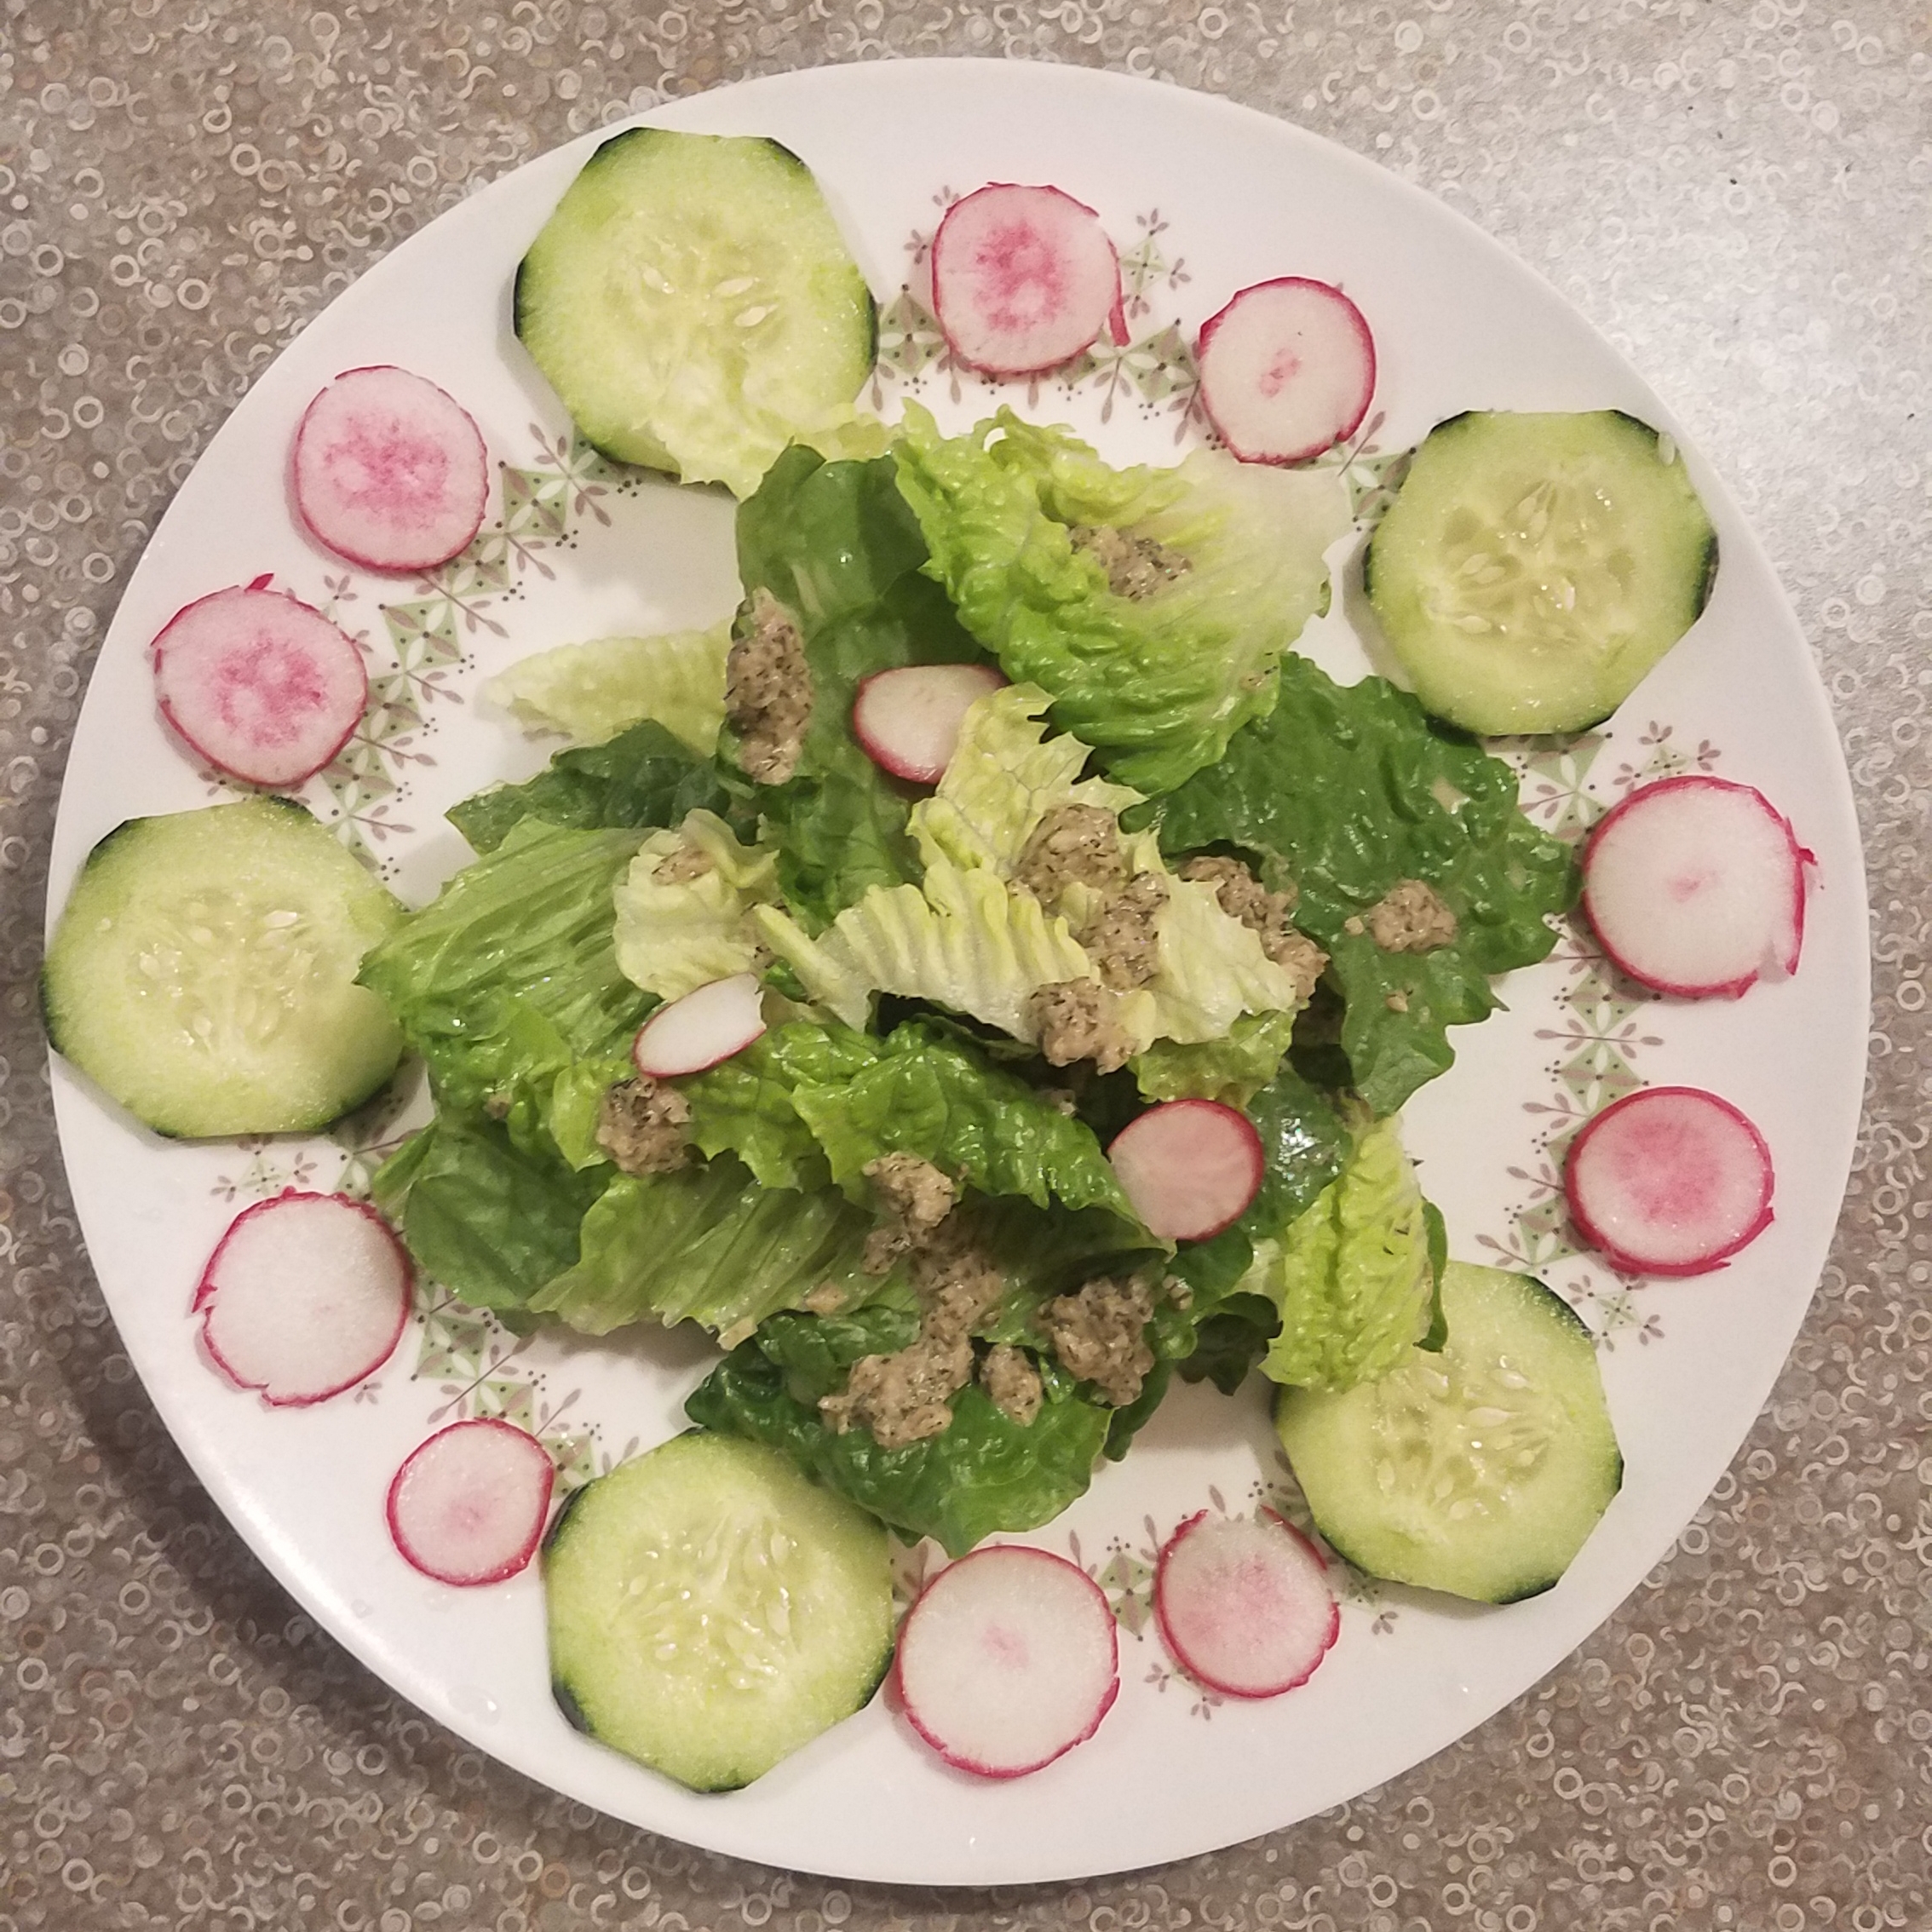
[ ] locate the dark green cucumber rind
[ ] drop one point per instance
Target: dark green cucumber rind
(1501, 1558)
(1525, 683)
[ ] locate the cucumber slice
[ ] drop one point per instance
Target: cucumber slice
(202, 972)
(693, 304)
(1480, 1470)
(1532, 568)
(711, 1610)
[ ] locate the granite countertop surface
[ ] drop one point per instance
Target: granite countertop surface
(1738, 194)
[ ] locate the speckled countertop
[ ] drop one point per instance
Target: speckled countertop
(1739, 195)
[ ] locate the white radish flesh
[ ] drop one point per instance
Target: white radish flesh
(707, 1025)
(907, 720)
(389, 471)
(1190, 1167)
(467, 1506)
(305, 1295)
(1007, 1660)
(1244, 1605)
(1696, 887)
(1669, 1180)
(1287, 370)
(259, 684)
(1023, 279)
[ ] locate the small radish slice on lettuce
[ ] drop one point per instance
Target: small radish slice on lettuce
(1244, 1604)
(1669, 1180)
(1007, 1660)
(259, 684)
(467, 1506)
(707, 1025)
(1190, 1167)
(1287, 368)
(305, 1295)
(907, 720)
(1696, 887)
(389, 471)
(1023, 279)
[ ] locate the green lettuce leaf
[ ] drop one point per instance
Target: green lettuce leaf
(985, 1474)
(806, 1090)
(487, 1221)
(1352, 1275)
(705, 1244)
(1159, 685)
(591, 692)
(510, 974)
(837, 546)
(641, 778)
(1232, 1070)
(1346, 790)
(1005, 775)
(675, 935)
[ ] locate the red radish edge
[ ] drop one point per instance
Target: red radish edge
(701, 1028)
(907, 720)
(1663, 905)
(989, 1670)
(468, 1505)
(1189, 1167)
(389, 471)
(259, 684)
(1287, 370)
(304, 1318)
(1024, 277)
(1244, 1605)
(1668, 1179)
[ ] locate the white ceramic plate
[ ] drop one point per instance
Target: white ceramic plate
(1202, 198)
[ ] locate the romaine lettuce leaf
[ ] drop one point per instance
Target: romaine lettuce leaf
(1005, 775)
(641, 778)
(1347, 791)
(837, 545)
(1157, 685)
(1232, 1070)
(706, 1244)
(673, 936)
(806, 1090)
(985, 1474)
(510, 973)
(1352, 1275)
(592, 692)
(487, 1221)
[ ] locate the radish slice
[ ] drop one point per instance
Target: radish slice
(259, 684)
(1007, 1660)
(1696, 887)
(467, 1506)
(1669, 1180)
(1244, 1605)
(907, 721)
(389, 471)
(1190, 1167)
(707, 1025)
(1023, 279)
(1287, 368)
(305, 1295)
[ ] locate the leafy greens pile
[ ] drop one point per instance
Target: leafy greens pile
(900, 955)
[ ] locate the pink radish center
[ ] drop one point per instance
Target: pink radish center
(1021, 284)
(267, 690)
(383, 466)
(467, 1506)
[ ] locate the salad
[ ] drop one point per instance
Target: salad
(978, 982)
